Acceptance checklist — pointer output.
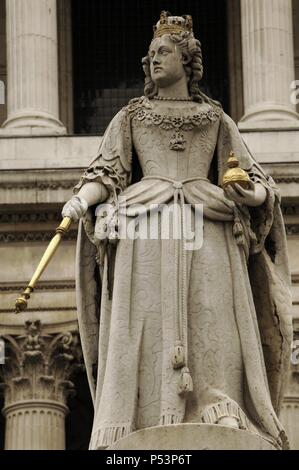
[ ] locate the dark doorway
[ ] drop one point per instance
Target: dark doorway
(78, 423)
(109, 40)
(2, 424)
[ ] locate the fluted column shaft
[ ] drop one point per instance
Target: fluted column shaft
(290, 419)
(32, 68)
(268, 63)
(35, 425)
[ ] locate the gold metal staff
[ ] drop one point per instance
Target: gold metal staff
(21, 302)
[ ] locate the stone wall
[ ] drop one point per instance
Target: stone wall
(296, 38)
(2, 59)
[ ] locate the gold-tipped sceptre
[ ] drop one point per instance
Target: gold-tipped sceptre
(62, 229)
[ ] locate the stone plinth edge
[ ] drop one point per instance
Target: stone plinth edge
(192, 437)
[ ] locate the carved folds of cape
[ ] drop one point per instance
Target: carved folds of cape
(267, 264)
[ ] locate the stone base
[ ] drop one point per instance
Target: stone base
(271, 125)
(33, 131)
(32, 123)
(192, 437)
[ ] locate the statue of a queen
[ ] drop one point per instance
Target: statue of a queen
(171, 335)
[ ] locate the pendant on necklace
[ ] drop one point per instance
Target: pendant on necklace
(178, 142)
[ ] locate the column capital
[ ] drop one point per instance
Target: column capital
(37, 380)
(39, 366)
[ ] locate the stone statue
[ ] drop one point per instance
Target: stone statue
(172, 335)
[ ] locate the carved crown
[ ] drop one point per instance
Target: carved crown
(169, 24)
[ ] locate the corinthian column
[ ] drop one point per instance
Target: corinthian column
(268, 64)
(289, 417)
(290, 408)
(32, 68)
(36, 378)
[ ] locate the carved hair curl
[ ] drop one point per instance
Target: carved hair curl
(191, 49)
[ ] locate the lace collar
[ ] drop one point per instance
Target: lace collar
(142, 110)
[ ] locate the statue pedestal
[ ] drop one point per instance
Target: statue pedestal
(192, 437)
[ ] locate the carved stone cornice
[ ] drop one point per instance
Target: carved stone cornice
(39, 366)
(292, 229)
(286, 179)
(32, 226)
(41, 286)
(30, 217)
(41, 309)
(37, 186)
(38, 236)
(291, 218)
(42, 185)
(290, 210)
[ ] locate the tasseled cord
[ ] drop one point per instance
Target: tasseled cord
(180, 353)
(178, 359)
(186, 382)
(238, 230)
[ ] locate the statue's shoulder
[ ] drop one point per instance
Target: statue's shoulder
(127, 112)
(207, 112)
(229, 124)
(208, 105)
(137, 103)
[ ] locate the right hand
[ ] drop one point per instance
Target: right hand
(75, 208)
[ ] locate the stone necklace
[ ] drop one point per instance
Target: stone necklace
(164, 98)
(178, 141)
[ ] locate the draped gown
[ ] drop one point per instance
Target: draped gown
(226, 305)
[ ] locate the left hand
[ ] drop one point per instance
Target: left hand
(254, 196)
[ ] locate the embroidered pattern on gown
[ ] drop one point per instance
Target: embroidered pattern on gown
(158, 285)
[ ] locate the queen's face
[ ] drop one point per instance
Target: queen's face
(165, 62)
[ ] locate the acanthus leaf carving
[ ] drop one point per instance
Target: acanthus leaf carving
(40, 365)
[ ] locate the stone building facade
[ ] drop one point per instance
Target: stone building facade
(45, 398)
